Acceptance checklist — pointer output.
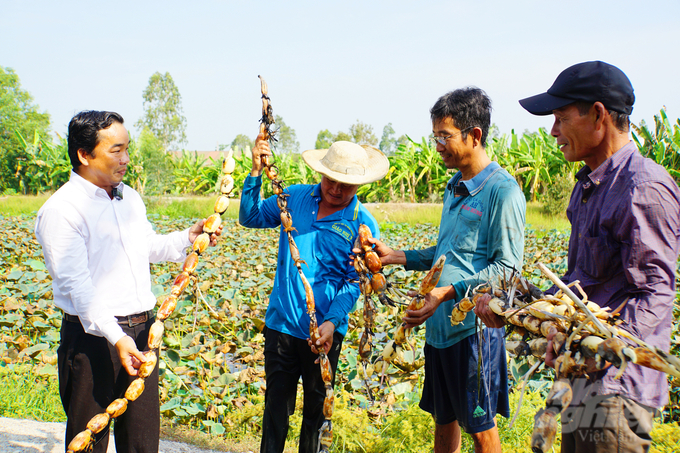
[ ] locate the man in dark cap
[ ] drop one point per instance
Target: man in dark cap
(625, 227)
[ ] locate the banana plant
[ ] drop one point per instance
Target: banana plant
(46, 165)
(535, 159)
(190, 174)
(662, 145)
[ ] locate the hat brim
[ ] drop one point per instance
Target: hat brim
(377, 167)
(544, 103)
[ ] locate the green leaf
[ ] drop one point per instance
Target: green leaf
(15, 275)
(172, 358)
(171, 404)
(401, 388)
(36, 265)
(34, 350)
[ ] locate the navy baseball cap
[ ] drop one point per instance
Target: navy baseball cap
(592, 81)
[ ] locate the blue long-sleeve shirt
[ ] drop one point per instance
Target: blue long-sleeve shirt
(481, 234)
(325, 245)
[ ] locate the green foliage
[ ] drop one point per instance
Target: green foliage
(388, 144)
(387, 141)
(416, 174)
(662, 145)
(241, 142)
(534, 159)
(666, 438)
(191, 174)
(557, 194)
(19, 117)
(285, 136)
(359, 132)
(187, 207)
(211, 365)
(152, 163)
(362, 133)
(163, 111)
(25, 394)
(46, 165)
(324, 139)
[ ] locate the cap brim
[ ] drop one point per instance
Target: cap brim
(544, 104)
(378, 166)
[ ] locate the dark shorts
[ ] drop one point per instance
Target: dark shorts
(450, 391)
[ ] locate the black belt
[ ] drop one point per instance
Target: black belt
(130, 320)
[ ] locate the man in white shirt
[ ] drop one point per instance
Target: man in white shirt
(98, 245)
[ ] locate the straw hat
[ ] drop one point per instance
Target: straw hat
(348, 162)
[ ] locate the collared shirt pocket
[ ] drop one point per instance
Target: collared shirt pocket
(599, 257)
(466, 231)
(333, 246)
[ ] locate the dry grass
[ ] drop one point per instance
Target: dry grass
(189, 435)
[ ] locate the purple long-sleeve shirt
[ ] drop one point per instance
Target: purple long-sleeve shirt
(625, 230)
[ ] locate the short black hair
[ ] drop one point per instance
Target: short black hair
(468, 107)
(83, 132)
(621, 120)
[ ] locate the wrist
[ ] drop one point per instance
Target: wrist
(446, 293)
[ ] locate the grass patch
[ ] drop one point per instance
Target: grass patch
(174, 207)
(202, 206)
(188, 207)
(14, 205)
(26, 395)
(29, 396)
(539, 220)
(410, 213)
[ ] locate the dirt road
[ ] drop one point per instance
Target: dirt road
(29, 436)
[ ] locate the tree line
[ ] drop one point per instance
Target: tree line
(31, 162)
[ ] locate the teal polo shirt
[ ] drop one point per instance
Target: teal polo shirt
(481, 234)
(324, 244)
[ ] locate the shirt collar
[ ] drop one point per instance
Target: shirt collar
(478, 182)
(348, 212)
(90, 189)
(608, 166)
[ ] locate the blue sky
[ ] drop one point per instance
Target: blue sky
(329, 64)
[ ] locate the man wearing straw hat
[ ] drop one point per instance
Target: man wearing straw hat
(326, 218)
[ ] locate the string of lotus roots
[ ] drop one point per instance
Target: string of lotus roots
(585, 338)
(581, 329)
(372, 281)
(84, 439)
(272, 172)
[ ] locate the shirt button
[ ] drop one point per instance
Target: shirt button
(584, 200)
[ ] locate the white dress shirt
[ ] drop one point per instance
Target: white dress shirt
(98, 251)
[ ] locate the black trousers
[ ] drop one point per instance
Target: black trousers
(286, 359)
(91, 377)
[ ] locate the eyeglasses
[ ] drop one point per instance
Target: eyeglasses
(442, 140)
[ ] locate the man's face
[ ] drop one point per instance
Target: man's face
(336, 194)
(574, 133)
(456, 153)
(108, 165)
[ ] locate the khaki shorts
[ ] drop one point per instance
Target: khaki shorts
(607, 424)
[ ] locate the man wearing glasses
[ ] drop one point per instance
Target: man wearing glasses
(482, 235)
